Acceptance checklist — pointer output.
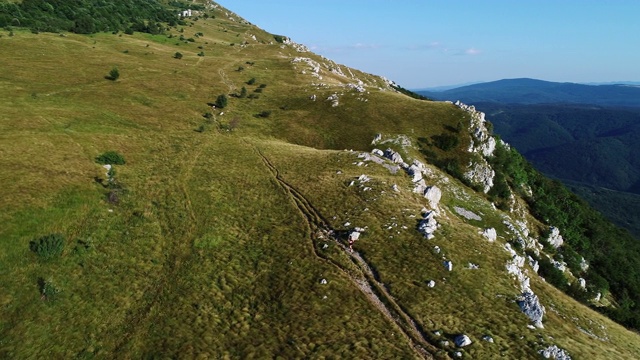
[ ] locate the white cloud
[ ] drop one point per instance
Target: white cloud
(472, 51)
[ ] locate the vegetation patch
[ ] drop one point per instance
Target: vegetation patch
(48, 247)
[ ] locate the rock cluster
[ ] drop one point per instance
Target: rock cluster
(555, 239)
(554, 352)
(428, 225)
(528, 301)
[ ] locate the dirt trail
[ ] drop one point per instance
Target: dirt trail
(365, 280)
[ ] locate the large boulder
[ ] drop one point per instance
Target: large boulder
(393, 156)
(490, 234)
(433, 195)
(462, 340)
(555, 239)
(530, 306)
(428, 225)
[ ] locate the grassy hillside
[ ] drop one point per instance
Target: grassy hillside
(210, 240)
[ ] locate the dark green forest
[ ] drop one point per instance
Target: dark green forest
(89, 16)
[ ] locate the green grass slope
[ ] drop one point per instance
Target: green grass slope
(207, 244)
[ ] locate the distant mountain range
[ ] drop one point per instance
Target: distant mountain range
(532, 91)
(586, 135)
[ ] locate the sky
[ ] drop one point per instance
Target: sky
(428, 43)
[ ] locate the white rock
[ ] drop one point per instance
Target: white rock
(462, 340)
(490, 234)
(598, 297)
(433, 195)
(393, 156)
(473, 266)
(555, 239)
(436, 249)
(415, 172)
(584, 266)
(554, 352)
(354, 236)
(457, 354)
(448, 265)
(377, 152)
(323, 281)
(469, 215)
(487, 338)
(376, 139)
(530, 305)
(431, 283)
(583, 283)
(395, 188)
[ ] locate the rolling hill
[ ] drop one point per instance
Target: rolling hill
(230, 194)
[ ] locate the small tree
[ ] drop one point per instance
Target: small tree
(177, 55)
(114, 74)
(221, 101)
(251, 81)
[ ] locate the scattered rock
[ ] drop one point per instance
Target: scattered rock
(490, 234)
(554, 352)
(323, 281)
(395, 188)
(462, 340)
(431, 283)
(473, 266)
(377, 152)
(376, 139)
(487, 338)
(457, 354)
(325, 246)
(436, 249)
(354, 236)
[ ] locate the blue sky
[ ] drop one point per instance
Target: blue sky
(425, 43)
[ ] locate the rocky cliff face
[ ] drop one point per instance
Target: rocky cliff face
(482, 145)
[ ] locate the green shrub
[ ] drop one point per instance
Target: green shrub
(48, 247)
(264, 114)
(114, 74)
(221, 101)
(48, 291)
(110, 157)
(251, 81)
(177, 55)
(243, 92)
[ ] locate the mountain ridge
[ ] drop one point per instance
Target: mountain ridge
(210, 240)
(533, 91)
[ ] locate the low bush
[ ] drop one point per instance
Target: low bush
(110, 157)
(48, 247)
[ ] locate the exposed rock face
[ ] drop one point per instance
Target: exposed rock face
(462, 340)
(490, 234)
(530, 305)
(469, 215)
(480, 172)
(554, 352)
(415, 172)
(394, 156)
(555, 239)
(483, 144)
(433, 195)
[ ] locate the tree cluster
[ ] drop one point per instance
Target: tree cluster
(87, 16)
